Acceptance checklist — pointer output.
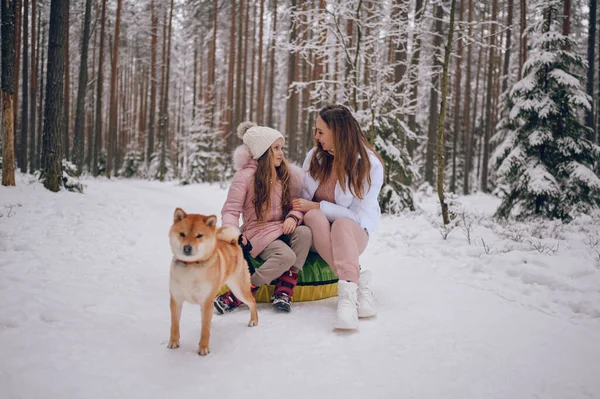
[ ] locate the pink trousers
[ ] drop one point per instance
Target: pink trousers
(339, 243)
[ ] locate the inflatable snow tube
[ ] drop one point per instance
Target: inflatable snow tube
(316, 281)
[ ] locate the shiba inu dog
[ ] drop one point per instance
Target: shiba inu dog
(205, 258)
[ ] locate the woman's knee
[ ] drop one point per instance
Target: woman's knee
(342, 224)
(313, 215)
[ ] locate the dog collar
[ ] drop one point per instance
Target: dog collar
(196, 262)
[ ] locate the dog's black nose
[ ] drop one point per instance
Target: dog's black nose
(187, 249)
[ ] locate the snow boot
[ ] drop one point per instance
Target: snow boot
(284, 290)
(227, 302)
(347, 307)
(366, 302)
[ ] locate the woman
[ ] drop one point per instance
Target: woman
(343, 176)
(261, 191)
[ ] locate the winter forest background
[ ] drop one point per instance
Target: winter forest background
(495, 96)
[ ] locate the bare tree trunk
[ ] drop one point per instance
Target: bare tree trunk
(111, 145)
(38, 145)
(164, 114)
(305, 136)
(91, 115)
(457, 83)
(253, 71)
(291, 119)
(237, 114)
(8, 88)
(152, 112)
(66, 123)
(414, 81)
(212, 97)
(99, 85)
(25, 88)
(228, 115)
(567, 17)
(32, 91)
(433, 98)
(467, 140)
(509, 21)
(81, 90)
(589, 115)
(272, 72)
(53, 118)
(523, 38)
(194, 104)
(17, 38)
(440, 126)
(488, 109)
(259, 85)
(242, 114)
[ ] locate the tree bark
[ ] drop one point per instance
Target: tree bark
(272, 71)
(152, 112)
(99, 85)
(242, 114)
(25, 90)
(433, 98)
(164, 114)
(523, 38)
(488, 109)
(228, 116)
(440, 126)
(66, 121)
(111, 144)
(467, 139)
(291, 119)
(53, 118)
(8, 88)
(457, 98)
(509, 21)
(81, 90)
(591, 53)
(32, 91)
(17, 38)
(38, 145)
(210, 87)
(259, 85)
(414, 72)
(237, 114)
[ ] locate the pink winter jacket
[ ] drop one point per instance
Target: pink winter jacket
(240, 197)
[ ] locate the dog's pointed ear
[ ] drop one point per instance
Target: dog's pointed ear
(179, 215)
(211, 221)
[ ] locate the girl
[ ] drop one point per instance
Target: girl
(261, 191)
(342, 178)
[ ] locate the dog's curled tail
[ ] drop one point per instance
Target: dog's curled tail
(228, 234)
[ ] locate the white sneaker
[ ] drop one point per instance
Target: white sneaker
(366, 302)
(347, 308)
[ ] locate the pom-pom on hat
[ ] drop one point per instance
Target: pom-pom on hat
(257, 138)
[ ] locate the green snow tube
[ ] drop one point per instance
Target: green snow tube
(315, 281)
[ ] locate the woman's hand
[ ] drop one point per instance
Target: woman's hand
(289, 225)
(303, 205)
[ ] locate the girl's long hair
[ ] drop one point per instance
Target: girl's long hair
(265, 178)
(351, 152)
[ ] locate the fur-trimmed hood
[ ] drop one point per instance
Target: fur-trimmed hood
(242, 159)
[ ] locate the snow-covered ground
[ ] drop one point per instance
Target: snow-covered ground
(84, 307)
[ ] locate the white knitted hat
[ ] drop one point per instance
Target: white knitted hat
(257, 138)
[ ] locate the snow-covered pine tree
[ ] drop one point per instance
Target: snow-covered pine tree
(549, 161)
(396, 195)
(205, 155)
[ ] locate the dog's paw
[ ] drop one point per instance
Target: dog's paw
(173, 344)
(252, 323)
(203, 350)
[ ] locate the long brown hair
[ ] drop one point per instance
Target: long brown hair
(351, 158)
(265, 177)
